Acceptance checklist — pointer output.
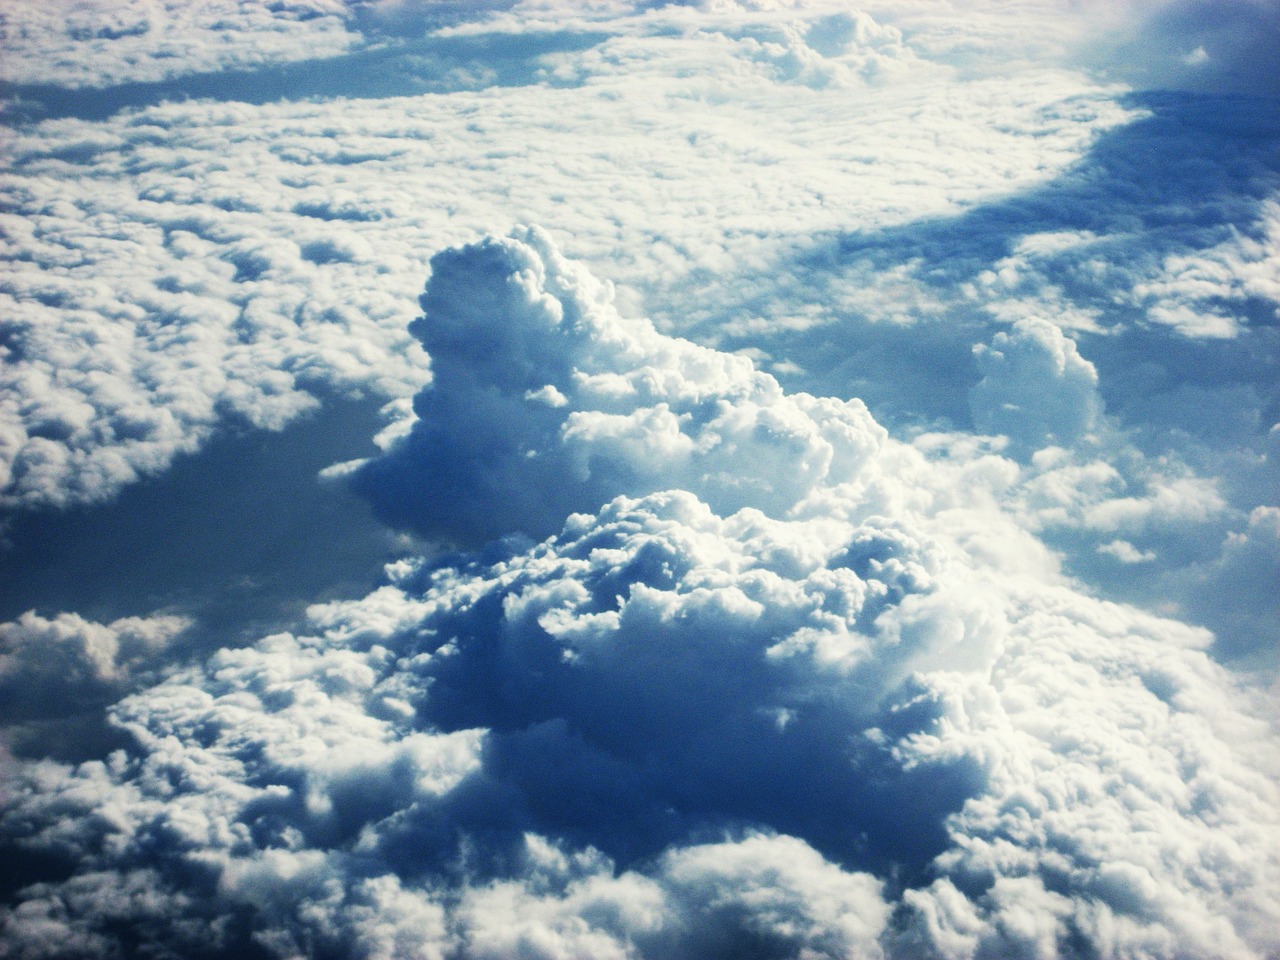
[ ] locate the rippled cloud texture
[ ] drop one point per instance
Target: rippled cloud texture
(841, 523)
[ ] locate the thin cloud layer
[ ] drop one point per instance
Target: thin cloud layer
(867, 716)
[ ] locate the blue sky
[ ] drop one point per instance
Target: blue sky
(774, 479)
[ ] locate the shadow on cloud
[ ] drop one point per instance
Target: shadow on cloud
(397, 69)
(1156, 256)
(1195, 172)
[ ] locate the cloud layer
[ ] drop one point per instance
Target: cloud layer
(76, 44)
(258, 251)
(852, 708)
(705, 657)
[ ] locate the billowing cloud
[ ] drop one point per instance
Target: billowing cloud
(706, 657)
(854, 710)
(37, 653)
(1035, 389)
(259, 253)
(544, 402)
(57, 675)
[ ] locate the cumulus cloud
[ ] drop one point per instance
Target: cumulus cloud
(1035, 389)
(47, 663)
(849, 711)
(57, 675)
(544, 402)
(258, 253)
(772, 682)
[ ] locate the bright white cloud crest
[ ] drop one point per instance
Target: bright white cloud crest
(852, 712)
(544, 402)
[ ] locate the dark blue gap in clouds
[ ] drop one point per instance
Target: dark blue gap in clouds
(403, 68)
(241, 536)
(1178, 181)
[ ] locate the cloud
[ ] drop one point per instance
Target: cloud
(1035, 387)
(58, 674)
(76, 44)
(544, 402)
(70, 653)
(260, 252)
(859, 711)
(753, 672)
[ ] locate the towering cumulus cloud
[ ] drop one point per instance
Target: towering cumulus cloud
(774, 685)
(545, 402)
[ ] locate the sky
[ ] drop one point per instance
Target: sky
(640, 480)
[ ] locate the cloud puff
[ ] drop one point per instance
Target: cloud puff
(1035, 389)
(49, 664)
(58, 674)
(859, 712)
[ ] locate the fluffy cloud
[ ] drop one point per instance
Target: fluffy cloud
(58, 674)
(258, 253)
(774, 681)
(544, 402)
(1035, 389)
(50, 664)
(76, 44)
(848, 711)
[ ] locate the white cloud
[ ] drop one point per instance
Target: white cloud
(510, 325)
(1035, 387)
(1189, 292)
(1196, 57)
(261, 254)
(76, 44)
(830, 696)
(574, 746)
(1126, 552)
(53, 664)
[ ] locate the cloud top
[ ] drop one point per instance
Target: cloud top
(544, 402)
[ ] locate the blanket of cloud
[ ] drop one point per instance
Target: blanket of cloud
(705, 657)
(824, 698)
(894, 216)
(174, 268)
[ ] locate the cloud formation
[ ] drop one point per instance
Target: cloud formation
(258, 251)
(848, 711)
(1035, 389)
(707, 658)
(76, 44)
(58, 674)
(543, 402)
